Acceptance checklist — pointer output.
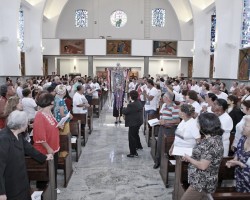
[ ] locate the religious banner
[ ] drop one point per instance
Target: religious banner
(117, 78)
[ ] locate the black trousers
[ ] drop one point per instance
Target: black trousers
(134, 139)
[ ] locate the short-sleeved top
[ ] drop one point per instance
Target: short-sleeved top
(242, 174)
(59, 102)
(209, 149)
(222, 95)
(29, 107)
(152, 105)
(186, 133)
(197, 107)
(45, 130)
(77, 100)
(169, 112)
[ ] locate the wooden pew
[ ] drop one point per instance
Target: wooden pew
(75, 129)
(65, 157)
(148, 131)
(166, 166)
(153, 142)
(181, 182)
(90, 119)
(43, 172)
(96, 103)
(84, 132)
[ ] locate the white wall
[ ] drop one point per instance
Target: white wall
(184, 48)
(99, 20)
(67, 65)
(51, 47)
(51, 64)
(124, 62)
(170, 67)
(184, 66)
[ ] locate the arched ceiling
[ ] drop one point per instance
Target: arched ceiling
(182, 9)
(54, 8)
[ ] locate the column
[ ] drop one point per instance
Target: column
(146, 65)
(33, 18)
(9, 53)
(90, 66)
(228, 21)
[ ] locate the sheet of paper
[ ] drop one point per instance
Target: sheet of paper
(63, 120)
(180, 151)
(37, 195)
(173, 162)
(73, 139)
(153, 122)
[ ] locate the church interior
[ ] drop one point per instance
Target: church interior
(172, 53)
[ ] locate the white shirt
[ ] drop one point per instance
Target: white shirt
(151, 105)
(19, 91)
(29, 106)
(143, 87)
(222, 95)
(197, 107)
(195, 88)
(178, 96)
(176, 88)
(227, 125)
(131, 86)
(186, 133)
(95, 86)
(77, 100)
(239, 130)
(245, 97)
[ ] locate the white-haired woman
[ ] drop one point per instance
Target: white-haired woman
(14, 183)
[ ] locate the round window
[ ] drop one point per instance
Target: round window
(118, 18)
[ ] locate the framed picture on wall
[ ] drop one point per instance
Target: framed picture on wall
(119, 47)
(244, 64)
(167, 48)
(71, 47)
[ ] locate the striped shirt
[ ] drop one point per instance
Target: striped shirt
(170, 112)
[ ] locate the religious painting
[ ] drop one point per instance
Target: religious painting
(72, 47)
(244, 64)
(211, 70)
(133, 74)
(101, 74)
(119, 47)
(167, 48)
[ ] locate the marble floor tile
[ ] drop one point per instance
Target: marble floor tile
(105, 172)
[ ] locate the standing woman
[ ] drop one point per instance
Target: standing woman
(45, 132)
(14, 183)
(60, 108)
(242, 160)
(205, 161)
(133, 119)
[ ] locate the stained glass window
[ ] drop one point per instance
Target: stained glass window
(81, 18)
(158, 17)
(245, 40)
(21, 30)
(118, 18)
(213, 31)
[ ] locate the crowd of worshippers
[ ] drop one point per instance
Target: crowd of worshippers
(37, 104)
(206, 114)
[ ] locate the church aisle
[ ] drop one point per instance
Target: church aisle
(104, 172)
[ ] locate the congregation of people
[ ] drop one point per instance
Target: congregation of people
(205, 114)
(209, 118)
